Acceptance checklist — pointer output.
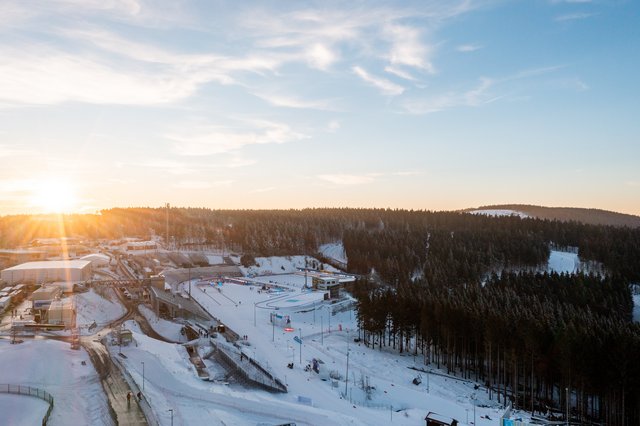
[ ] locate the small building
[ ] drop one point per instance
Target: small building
(48, 271)
(5, 301)
(62, 312)
(43, 297)
(97, 259)
(328, 283)
(435, 419)
(141, 245)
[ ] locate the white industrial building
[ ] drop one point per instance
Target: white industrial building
(97, 259)
(48, 271)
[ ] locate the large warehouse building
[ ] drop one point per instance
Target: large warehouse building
(48, 271)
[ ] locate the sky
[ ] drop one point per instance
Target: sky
(437, 105)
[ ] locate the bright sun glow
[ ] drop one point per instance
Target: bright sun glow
(54, 196)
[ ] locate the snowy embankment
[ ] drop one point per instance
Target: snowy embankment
(91, 306)
(284, 265)
(498, 213)
(334, 251)
(168, 329)
(53, 366)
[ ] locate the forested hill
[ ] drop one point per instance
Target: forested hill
(566, 214)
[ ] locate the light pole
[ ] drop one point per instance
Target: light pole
(142, 362)
(346, 380)
(321, 331)
(566, 390)
(254, 314)
(171, 411)
(300, 346)
(473, 397)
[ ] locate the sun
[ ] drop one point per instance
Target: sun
(54, 196)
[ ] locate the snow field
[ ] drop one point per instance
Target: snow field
(280, 265)
(22, 410)
(53, 366)
(561, 261)
(168, 329)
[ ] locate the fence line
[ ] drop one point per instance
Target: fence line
(30, 391)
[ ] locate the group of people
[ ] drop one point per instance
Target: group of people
(130, 395)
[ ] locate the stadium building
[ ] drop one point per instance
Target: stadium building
(48, 271)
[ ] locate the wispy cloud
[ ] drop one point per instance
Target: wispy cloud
(408, 49)
(210, 140)
(201, 184)
(347, 179)
(573, 16)
(333, 126)
(399, 73)
(465, 48)
(293, 102)
(476, 96)
(385, 86)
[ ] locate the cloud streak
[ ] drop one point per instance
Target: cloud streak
(385, 86)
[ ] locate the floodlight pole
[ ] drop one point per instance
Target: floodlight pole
(300, 346)
(142, 375)
(346, 380)
(567, 403)
(171, 410)
(254, 314)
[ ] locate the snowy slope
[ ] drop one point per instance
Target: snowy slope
(281, 265)
(91, 306)
(168, 329)
(334, 251)
(636, 307)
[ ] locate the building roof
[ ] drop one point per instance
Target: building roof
(439, 418)
(96, 256)
(51, 264)
(61, 304)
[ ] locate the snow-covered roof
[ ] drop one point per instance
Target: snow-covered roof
(51, 264)
(96, 256)
(439, 418)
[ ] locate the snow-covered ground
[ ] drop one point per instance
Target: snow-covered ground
(329, 337)
(22, 410)
(281, 265)
(53, 366)
(334, 251)
(499, 212)
(168, 329)
(215, 259)
(562, 261)
(91, 306)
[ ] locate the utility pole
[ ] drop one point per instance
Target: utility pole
(300, 346)
(567, 403)
(171, 410)
(142, 375)
(321, 331)
(189, 281)
(167, 228)
(346, 380)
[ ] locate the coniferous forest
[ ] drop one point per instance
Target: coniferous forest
(467, 293)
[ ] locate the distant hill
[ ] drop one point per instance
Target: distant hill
(589, 216)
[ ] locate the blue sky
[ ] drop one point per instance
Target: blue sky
(282, 104)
